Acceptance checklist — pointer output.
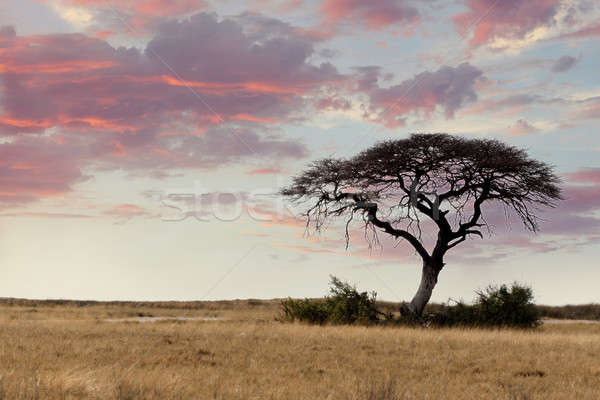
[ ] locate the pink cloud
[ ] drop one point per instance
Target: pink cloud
(522, 127)
(582, 199)
(590, 30)
(145, 7)
(123, 108)
(264, 171)
(333, 103)
(268, 217)
(137, 15)
(127, 211)
(589, 109)
(93, 85)
(45, 215)
(447, 89)
(253, 233)
(342, 16)
(510, 105)
(306, 249)
(373, 15)
(508, 19)
(38, 168)
(275, 6)
(585, 175)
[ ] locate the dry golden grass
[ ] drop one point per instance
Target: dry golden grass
(66, 351)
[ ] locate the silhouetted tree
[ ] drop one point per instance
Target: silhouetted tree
(396, 184)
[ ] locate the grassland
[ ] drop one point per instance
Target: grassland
(57, 350)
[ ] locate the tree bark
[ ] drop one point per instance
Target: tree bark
(429, 277)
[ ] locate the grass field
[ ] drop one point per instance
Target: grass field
(58, 351)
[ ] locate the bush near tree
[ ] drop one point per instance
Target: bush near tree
(495, 306)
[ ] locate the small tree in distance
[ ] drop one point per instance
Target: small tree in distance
(397, 184)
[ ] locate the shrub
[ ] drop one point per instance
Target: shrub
(311, 311)
(495, 306)
(503, 306)
(347, 306)
(459, 314)
(344, 305)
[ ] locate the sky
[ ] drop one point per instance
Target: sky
(142, 143)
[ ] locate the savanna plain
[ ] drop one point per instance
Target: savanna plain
(71, 350)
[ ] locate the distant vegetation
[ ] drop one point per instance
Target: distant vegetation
(579, 311)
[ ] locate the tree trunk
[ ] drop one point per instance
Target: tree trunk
(429, 277)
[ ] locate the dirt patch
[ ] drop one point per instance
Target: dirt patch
(570, 321)
(154, 319)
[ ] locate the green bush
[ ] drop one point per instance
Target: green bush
(503, 306)
(311, 311)
(459, 314)
(344, 305)
(347, 306)
(495, 306)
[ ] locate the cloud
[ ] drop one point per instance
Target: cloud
(7, 32)
(183, 103)
(564, 63)
(82, 82)
(45, 215)
(38, 168)
(268, 217)
(489, 20)
(447, 89)
(306, 249)
(180, 103)
(123, 16)
(127, 211)
(333, 103)
(589, 109)
(349, 16)
(512, 104)
(264, 171)
(587, 31)
(372, 15)
(522, 127)
(585, 175)
(274, 56)
(580, 199)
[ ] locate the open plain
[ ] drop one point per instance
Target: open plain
(54, 350)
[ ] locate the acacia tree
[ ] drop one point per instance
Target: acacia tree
(397, 185)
